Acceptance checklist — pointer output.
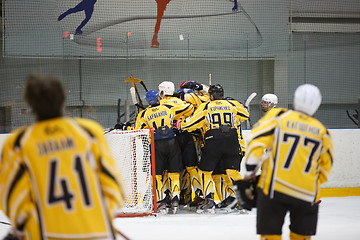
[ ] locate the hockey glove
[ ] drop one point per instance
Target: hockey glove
(246, 192)
(192, 85)
(122, 126)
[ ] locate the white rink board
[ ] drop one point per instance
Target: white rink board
(346, 157)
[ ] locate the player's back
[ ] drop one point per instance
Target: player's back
(181, 108)
(221, 112)
(195, 99)
(60, 156)
(297, 145)
(158, 116)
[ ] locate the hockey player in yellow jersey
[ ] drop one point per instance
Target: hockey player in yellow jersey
(189, 176)
(191, 144)
(194, 93)
(166, 91)
(268, 102)
(221, 141)
(224, 178)
(167, 149)
(200, 89)
(299, 159)
(58, 178)
(268, 106)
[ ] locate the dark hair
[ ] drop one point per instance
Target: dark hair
(216, 91)
(45, 95)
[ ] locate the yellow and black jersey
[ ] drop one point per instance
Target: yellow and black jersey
(196, 100)
(181, 109)
(139, 123)
(238, 120)
(155, 116)
(299, 154)
(59, 180)
(274, 112)
(214, 114)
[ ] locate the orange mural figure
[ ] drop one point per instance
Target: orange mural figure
(161, 7)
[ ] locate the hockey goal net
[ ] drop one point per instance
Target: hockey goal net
(133, 155)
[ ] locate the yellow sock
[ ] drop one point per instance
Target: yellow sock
(233, 174)
(194, 177)
(229, 189)
(207, 183)
(174, 184)
(270, 237)
(295, 236)
(159, 188)
(219, 186)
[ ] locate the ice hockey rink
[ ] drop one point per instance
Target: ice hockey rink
(339, 219)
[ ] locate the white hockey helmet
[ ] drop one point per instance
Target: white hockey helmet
(167, 88)
(271, 98)
(307, 99)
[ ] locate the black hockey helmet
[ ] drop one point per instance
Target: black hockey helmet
(217, 91)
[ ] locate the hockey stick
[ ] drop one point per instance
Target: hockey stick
(5, 223)
(351, 118)
(132, 79)
(134, 93)
(122, 235)
(247, 105)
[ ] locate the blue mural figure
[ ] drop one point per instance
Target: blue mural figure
(235, 8)
(85, 5)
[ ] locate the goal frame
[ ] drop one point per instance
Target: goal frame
(153, 178)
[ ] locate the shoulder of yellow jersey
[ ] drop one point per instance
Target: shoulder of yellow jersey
(92, 126)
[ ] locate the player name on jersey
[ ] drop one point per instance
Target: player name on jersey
(156, 115)
(55, 145)
(220, 108)
(303, 127)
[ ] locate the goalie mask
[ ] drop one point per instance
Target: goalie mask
(307, 99)
(216, 91)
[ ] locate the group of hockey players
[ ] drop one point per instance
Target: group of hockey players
(63, 167)
(198, 145)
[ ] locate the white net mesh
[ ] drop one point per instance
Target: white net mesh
(131, 150)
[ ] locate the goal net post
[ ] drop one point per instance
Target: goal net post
(133, 152)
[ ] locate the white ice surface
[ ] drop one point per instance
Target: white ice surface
(339, 218)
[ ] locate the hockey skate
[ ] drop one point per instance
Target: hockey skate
(228, 205)
(208, 205)
(175, 204)
(198, 200)
(241, 210)
(164, 205)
